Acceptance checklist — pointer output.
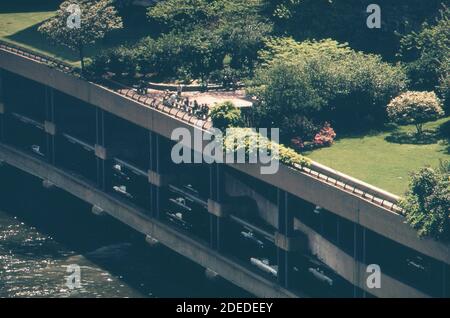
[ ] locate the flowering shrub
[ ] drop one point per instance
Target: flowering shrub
(297, 143)
(415, 108)
(250, 140)
(325, 137)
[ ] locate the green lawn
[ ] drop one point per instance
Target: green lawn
(371, 158)
(383, 162)
(19, 20)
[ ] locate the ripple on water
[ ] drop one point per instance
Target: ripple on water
(34, 265)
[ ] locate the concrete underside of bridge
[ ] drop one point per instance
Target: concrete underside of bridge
(137, 219)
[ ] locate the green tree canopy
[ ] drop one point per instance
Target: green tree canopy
(427, 202)
(98, 17)
(323, 81)
(226, 115)
(427, 56)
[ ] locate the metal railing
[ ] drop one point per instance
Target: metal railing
(325, 174)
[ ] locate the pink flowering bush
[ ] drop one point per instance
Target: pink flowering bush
(325, 137)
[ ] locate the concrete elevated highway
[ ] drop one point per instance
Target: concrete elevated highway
(300, 232)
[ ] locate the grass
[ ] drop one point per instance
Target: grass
(383, 159)
(386, 159)
(20, 19)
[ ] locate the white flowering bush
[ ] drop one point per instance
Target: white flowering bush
(415, 108)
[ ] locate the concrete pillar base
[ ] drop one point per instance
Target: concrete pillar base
(153, 242)
(290, 244)
(50, 128)
(218, 209)
(159, 180)
(211, 275)
(98, 210)
(100, 152)
(47, 184)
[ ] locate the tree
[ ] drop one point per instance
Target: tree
(210, 31)
(345, 20)
(427, 53)
(415, 108)
(97, 17)
(323, 81)
(427, 202)
(226, 115)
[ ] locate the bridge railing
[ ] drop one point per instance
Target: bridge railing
(325, 174)
(355, 186)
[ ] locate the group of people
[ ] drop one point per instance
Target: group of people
(172, 99)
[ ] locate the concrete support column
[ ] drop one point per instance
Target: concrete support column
(2, 108)
(217, 206)
(359, 234)
(286, 239)
(49, 124)
(101, 153)
(285, 228)
(158, 176)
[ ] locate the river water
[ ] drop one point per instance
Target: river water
(44, 231)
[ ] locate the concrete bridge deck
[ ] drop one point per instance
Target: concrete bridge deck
(348, 198)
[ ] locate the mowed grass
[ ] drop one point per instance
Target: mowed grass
(20, 19)
(386, 164)
(18, 25)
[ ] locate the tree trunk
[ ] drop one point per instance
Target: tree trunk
(419, 128)
(81, 50)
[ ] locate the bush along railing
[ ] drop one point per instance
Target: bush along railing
(287, 156)
(249, 142)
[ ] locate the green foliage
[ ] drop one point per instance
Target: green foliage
(201, 33)
(251, 141)
(226, 115)
(202, 40)
(298, 126)
(98, 17)
(345, 21)
(427, 53)
(427, 202)
(121, 60)
(323, 81)
(415, 108)
(184, 14)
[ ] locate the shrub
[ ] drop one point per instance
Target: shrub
(322, 81)
(226, 115)
(299, 127)
(325, 137)
(427, 53)
(415, 108)
(250, 140)
(121, 60)
(427, 202)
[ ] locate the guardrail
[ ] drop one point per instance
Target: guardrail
(325, 174)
